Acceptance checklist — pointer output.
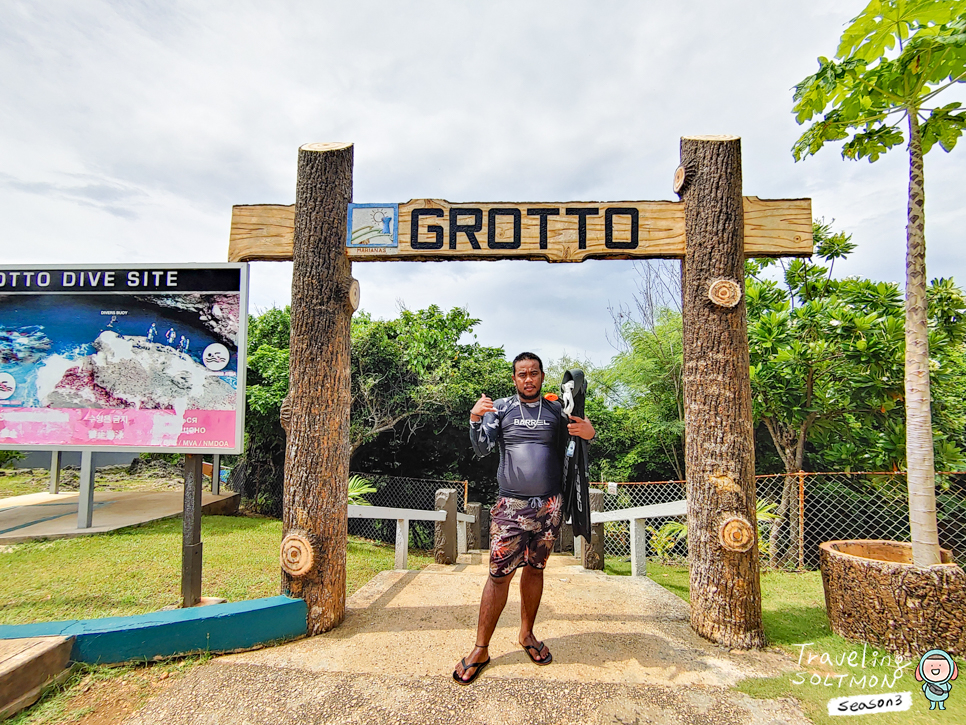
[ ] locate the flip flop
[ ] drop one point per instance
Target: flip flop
(545, 661)
(479, 668)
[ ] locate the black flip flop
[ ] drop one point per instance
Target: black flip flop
(546, 661)
(479, 668)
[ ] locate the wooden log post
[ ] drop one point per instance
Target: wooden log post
(565, 539)
(719, 446)
(317, 445)
(592, 552)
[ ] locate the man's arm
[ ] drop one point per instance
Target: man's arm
(483, 426)
(581, 427)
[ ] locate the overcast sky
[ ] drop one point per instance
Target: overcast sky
(129, 129)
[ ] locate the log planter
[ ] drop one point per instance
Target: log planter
(875, 594)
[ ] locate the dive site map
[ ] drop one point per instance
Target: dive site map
(123, 357)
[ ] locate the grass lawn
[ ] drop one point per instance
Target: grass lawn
(793, 614)
(19, 481)
(138, 570)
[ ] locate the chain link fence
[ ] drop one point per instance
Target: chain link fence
(797, 512)
(391, 491)
(265, 497)
(404, 493)
(665, 539)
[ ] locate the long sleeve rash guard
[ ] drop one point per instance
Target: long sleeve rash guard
(530, 439)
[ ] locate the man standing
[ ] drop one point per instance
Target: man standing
(529, 433)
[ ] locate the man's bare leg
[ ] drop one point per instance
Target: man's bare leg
(531, 591)
(495, 593)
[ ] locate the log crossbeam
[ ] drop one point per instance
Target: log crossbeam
(772, 228)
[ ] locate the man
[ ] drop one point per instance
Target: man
(530, 434)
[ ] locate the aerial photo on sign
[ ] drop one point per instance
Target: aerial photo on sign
(132, 357)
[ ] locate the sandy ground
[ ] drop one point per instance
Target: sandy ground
(623, 653)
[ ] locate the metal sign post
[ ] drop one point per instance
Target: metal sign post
(191, 532)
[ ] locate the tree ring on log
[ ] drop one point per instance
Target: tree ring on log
(285, 413)
(724, 292)
(736, 534)
(724, 483)
(355, 294)
(325, 146)
(680, 176)
(713, 137)
(298, 554)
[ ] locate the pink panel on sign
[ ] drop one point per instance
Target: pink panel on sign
(121, 427)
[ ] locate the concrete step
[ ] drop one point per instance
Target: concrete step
(27, 666)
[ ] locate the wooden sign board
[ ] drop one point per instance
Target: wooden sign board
(435, 229)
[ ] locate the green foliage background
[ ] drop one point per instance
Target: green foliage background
(826, 363)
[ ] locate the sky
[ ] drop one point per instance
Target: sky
(129, 129)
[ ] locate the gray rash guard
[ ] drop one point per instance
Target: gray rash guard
(531, 449)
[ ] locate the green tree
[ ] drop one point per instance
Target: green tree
(824, 353)
(263, 464)
(409, 373)
(407, 370)
(827, 370)
(821, 348)
(644, 382)
(612, 453)
(414, 383)
(892, 62)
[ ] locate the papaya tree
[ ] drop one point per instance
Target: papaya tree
(893, 61)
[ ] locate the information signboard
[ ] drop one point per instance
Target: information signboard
(138, 357)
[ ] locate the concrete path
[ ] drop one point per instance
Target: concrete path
(54, 515)
(623, 653)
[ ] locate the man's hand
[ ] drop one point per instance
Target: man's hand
(581, 427)
(482, 406)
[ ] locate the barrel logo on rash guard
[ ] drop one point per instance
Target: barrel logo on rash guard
(531, 424)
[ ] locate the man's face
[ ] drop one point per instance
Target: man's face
(528, 379)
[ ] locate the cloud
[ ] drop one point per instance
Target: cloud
(110, 197)
(128, 129)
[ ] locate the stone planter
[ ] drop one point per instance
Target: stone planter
(875, 594)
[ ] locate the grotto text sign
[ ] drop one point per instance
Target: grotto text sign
(436, 229)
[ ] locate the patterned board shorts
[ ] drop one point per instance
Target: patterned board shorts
(523, 532)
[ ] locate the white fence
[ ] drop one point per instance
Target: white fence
(403, 517)
(637, 517)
